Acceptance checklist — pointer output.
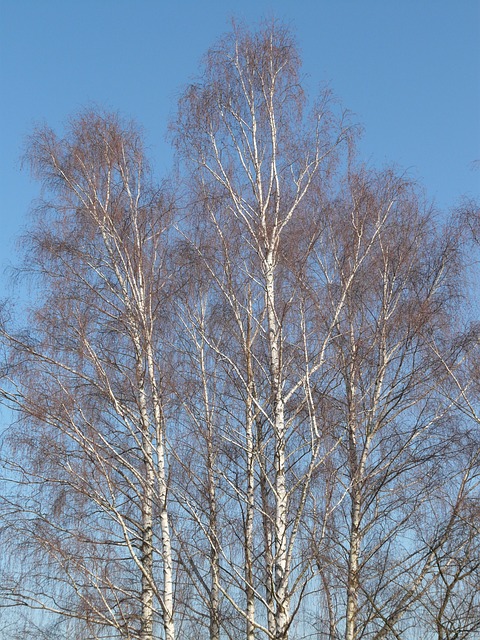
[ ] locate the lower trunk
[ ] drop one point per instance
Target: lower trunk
(214, 556)
(281, 569)
(249, 543)
(249, 591)
(166, 544)
(215, 600)
(282, 613)
(168, 621)
(267, 533)
(148, 488)
(146, 624)
(352, 582)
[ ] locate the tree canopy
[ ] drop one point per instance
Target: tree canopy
(247, 398)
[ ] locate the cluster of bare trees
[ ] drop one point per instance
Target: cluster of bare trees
(250, 411)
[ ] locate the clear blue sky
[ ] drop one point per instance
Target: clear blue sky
(409, 70)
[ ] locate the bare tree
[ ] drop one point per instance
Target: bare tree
(252, 418)
(387, 405)
(255, 163)
(87, 382)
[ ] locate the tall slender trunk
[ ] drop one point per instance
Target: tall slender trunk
(214, 596)
(168, 619)
(166, 544)
(249, 590)
(250, 508)
(357, 466)
(353, 556)
(281, 499)
(214, 604)
(267, 530)
(148, 489)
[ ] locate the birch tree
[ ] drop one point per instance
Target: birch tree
(87, 381)
(387, 405)
(250, 420)
(255, 160)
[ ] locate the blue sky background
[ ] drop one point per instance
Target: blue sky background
(409, 70)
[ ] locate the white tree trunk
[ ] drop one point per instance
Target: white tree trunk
(281, 501)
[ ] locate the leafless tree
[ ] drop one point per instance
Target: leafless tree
(87, 381)
(250, 420)
(258, 167)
